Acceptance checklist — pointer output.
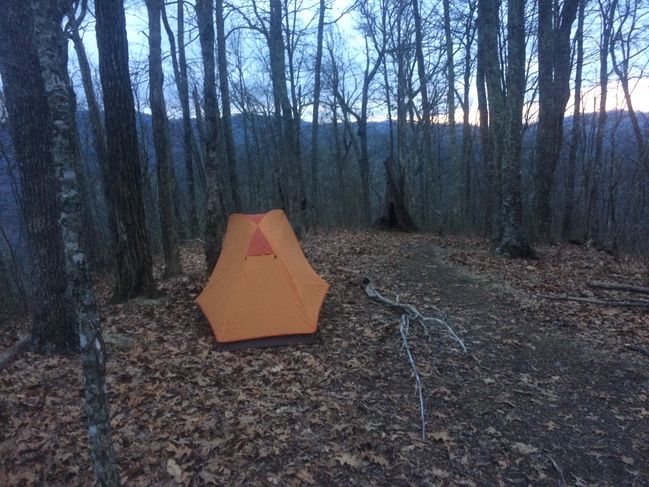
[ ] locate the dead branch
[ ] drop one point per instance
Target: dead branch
(616, 286)
(599, 302)
(409, 312)
(9, 356)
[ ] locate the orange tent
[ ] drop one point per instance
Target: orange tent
(262, 291)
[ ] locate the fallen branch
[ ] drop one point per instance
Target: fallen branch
(600, 302)
(9, 356)
(409, 312)
(615, 286)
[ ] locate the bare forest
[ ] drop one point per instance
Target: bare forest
(486, 162)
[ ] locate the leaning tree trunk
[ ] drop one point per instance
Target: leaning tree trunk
(52, 52)
(133, 264)
(161, 141)
(216, 206)
(53, 325)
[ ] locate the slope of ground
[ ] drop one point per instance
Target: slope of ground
(547, 393)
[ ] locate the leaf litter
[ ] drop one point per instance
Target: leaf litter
(547, 390)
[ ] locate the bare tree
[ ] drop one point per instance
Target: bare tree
(506, 111)
(53, 323)
(161, 141)
(133, 263)
(217, 205)
(224, 84)
(61, 154)
(289, 177)
(607, 12)
(315, 121)
(575, 134)
(554, 91)
(179, 63)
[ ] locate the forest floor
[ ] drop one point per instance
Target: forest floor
(549, 392)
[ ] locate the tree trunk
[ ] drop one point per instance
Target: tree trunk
(180, 76)
(395, 215)
(568, 217)
(161, 141)
(456, 167)
(554, 93)
(491, 101)
(52, 50)
(216, 205)
(607, 11)
(53, 325)
(289, 179)
(513, 243)
(98, 134)
(467, 209)
(427, 148)
(315, 192)
(133, 263)
(224, 84)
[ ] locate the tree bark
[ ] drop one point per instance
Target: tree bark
(554, 93)
(53, 323)
(426, 135)
(133, 264)
(491, 101)
(513, 243)
(506, 115)
(289, 178)
(97, 132)
(161, 141)
(52, 51)
(180, 76)
(607, 10)
(456, 166)
(217, 207)
(315, 190)
(575, 134)
(224, 85)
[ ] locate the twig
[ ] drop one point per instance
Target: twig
(559, 470)
(600, 302)
(410, 313)
(7, 357)
(403, 329)
(615, 286)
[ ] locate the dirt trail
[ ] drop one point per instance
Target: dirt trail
(538, 403)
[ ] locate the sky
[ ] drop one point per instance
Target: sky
(136, 19)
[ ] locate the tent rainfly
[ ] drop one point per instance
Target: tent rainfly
(262, 292)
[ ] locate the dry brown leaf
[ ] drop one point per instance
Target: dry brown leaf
(174, 470)
(348, 459)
